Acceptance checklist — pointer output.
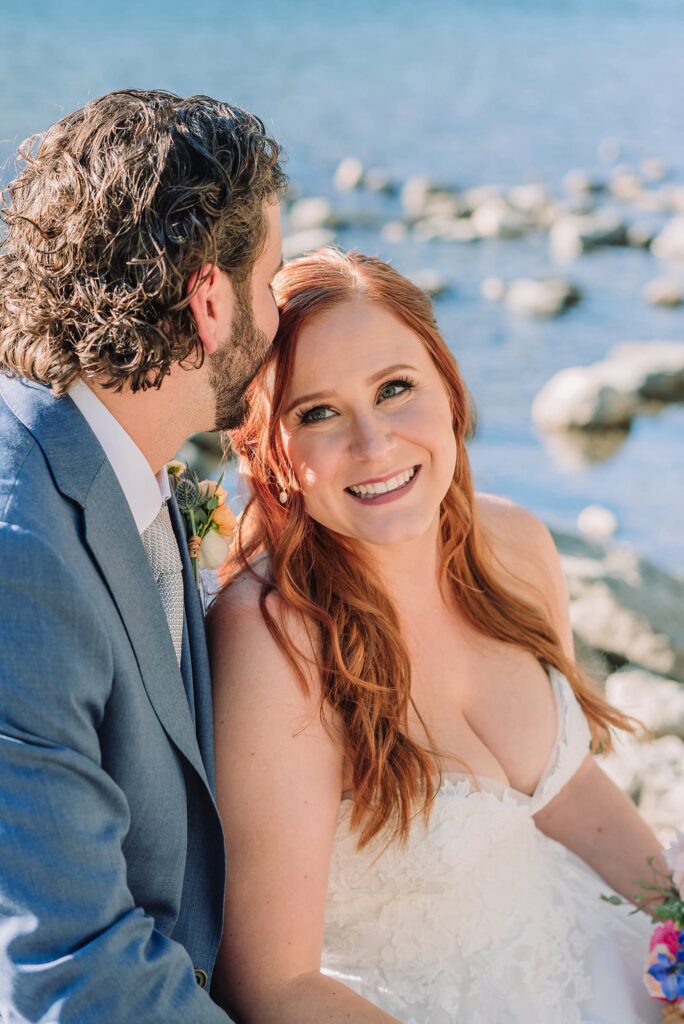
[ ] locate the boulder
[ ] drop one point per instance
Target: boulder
(611, 392)
(663, 291)
(572, 235)
(656, 701)
(669, 243)
(597, 522)
(625, 184)
(394, 231)
(306, 241)
(640, 233)
(652, 370)
(624, 606)
(653, 169)
(446, 228)
(349, 174)
(652, 774)
(420, 196)
(376, 179)
(578, 397)
(529, 198)
(430, 281)
(493, 289)
(311, 212)
(495, 218)
(547, 298)
(578, 182)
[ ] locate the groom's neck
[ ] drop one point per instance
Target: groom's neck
(158, 420)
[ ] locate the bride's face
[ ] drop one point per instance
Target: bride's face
(367, 426)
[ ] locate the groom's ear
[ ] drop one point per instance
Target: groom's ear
(212, 301)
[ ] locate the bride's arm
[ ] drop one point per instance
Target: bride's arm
(279, 779)
(590, 816)
(594, 819)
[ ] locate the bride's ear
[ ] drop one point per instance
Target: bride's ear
(212, 301)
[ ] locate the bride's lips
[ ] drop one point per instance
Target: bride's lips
(384, 499)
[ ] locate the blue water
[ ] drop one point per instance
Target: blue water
(486, 91)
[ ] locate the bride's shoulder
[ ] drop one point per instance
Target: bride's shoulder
(522, 554)
(242, 624)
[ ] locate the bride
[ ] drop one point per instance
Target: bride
(416, 828)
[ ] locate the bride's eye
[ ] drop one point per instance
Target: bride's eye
(315, 415)
(394, 388)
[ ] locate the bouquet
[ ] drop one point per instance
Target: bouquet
(664, 970)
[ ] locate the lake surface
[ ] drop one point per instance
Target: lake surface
(502, 91)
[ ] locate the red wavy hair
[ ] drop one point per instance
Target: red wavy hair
(361, 656)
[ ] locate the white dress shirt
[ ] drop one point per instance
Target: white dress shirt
(144, 491)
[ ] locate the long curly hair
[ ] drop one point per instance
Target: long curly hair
(112, 210)
(361, 655)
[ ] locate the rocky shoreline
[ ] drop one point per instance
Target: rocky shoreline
(628, 621)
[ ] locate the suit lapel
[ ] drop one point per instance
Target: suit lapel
(196, 673)
(116, 546)
(83, 474)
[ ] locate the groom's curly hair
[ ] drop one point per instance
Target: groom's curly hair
(114, 207)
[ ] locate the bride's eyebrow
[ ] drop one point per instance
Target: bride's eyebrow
(316, 396)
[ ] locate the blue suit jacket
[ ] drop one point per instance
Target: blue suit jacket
(112, 863)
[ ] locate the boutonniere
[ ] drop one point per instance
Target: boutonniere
(209, 522)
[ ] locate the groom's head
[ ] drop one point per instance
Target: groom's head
(142, 234)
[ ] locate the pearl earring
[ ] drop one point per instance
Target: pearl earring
(283, 497)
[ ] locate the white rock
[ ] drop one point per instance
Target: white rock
(653, 775)
(420, 196)
(430, 281)
(623, 605)
(656, 701)
(578, 398)
(609, 150)
(597, 522)
(663, 291)
(625, 184)
(540, 298)
(471, 198)
(306, 241)
(529, 198)
(493, 289)
(349, 174)
(652, 370)
(494, 218)
(447, 228)
(311, 212)
(641, 233)
(394, 231)
(669, 243)
(578, 182)
(572, 235)
(654, 169)
(376, 179)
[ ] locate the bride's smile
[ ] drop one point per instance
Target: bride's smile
(373, 447)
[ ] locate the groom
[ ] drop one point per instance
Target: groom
(142, 235)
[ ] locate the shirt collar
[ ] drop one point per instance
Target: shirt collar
(144, 492)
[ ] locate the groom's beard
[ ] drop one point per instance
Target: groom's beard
(236, 363)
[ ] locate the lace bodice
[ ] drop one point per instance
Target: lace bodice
(478, 918)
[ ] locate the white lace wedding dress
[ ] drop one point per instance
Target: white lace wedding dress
(482, 919)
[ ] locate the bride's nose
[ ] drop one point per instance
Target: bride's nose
(371, 438)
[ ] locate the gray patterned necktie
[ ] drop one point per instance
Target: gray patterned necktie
(162, 552)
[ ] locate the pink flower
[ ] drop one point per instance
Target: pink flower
(666, 934)
(674, 856)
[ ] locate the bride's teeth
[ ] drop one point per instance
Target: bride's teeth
(370, 490)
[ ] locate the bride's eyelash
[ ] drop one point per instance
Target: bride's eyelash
(407, 382)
